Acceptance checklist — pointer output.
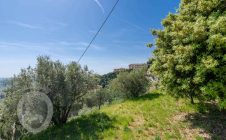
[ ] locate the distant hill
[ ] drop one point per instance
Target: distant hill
(4, 82)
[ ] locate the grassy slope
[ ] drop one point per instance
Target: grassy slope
(152, 116)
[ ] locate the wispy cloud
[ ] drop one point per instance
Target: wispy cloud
(53, 25)
(25, 25)
(99, 5)
(85, 44)
(15, 55)
(79, 45)
(48, 25)
(92, 31)
(55, 48)
(134, 25)
(60, 24)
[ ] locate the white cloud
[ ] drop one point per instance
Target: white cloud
(47, 25)
(17, 55)
(85, 44)
(25, 25)
(134, 25)
(93, 31)
(48, 47)
(99, 5)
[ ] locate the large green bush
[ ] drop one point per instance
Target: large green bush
(98, 97)
(130, 84)
(190, 55)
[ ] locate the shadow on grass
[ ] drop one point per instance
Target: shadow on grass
(149, 96)
(87, 127)
(209, 119)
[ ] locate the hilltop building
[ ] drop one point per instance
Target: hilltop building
(120, 70)
(131, 67)
(137, 66)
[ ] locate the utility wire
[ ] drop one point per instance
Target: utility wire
(97, 33)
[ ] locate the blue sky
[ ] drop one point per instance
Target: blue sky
(62, 29)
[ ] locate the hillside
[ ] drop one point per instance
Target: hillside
(4, 82)
(153, 116)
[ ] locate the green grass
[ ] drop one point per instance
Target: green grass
(152, 116)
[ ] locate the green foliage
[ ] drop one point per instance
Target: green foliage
(18, 85)
(157, 138)
(87, 127)
(190, 55)
(65, 85)
(98, 97)
(106, 78)
(130, 84)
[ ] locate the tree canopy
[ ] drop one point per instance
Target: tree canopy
(131, 84)
(65, 85)
(106, 78)
(190, 55)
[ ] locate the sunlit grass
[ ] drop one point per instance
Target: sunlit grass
(148, 117)
(152, 116)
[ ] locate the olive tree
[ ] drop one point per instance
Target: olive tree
(65, 85)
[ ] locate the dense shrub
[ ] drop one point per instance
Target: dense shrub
(107, 78)
(190, 59)
(98, 97)
(130, 84)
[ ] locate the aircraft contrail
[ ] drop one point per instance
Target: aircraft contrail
(99, 5)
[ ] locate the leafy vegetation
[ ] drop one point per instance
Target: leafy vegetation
(85, 127)
(189, 61)
(190, 55)
(107, 78)
(98, 98)
(65, 85)
(131, 84)
(69, 87)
